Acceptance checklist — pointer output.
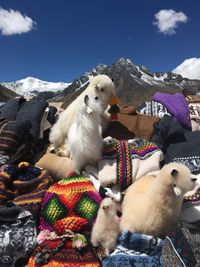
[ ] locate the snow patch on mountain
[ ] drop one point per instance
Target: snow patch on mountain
(32, 86)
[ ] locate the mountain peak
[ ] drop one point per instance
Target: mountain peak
(133, 83)
(124, 61)
(31, 86)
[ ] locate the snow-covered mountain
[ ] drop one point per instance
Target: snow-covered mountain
(32, 86)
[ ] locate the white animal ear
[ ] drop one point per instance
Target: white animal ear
(177, 190)
(86, 99)
(88, 109)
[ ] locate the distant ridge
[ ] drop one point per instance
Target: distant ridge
(134, 84)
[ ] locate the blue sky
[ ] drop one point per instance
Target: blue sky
(60, 40)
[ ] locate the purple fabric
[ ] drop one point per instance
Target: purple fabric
(177, 106)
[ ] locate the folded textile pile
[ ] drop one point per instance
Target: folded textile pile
(126, 160)
(135, 250)
(25, 185)
(24, 128)
(162, 104)
(177, 143)
(177, 106)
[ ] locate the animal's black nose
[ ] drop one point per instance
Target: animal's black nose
(193, 179)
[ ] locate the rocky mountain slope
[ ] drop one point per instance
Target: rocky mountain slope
(6, 94)
(133, 84)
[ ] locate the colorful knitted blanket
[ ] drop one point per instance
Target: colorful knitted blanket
(72, 203)
(69, 205)
(135, 250)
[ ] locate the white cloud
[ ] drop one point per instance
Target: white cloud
(167, 20)
(189, 68)
(13, 22)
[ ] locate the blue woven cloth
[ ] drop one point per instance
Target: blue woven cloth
(136, 250)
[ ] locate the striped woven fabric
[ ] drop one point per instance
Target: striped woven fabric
(12, 134)
(67, 257)
(124, 151)
(124, 165)
(138, 147)
(25, 185)
(192, 199)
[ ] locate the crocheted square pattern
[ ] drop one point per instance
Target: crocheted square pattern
(71, 197)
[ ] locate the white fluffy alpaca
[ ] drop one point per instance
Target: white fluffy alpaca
(152, 204)
(106, 228)
(84, 136)
(102, 87)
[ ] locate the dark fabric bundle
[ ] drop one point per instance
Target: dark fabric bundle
(17, 235)
(11, 107)
(32, 111)
(24, 129)
(177, 143)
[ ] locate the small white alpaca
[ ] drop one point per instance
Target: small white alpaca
(152, 204)
(84, 136)
(100, 86)
(105, 230)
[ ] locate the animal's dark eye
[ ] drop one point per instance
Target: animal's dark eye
(96, 98)
(102, 89)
